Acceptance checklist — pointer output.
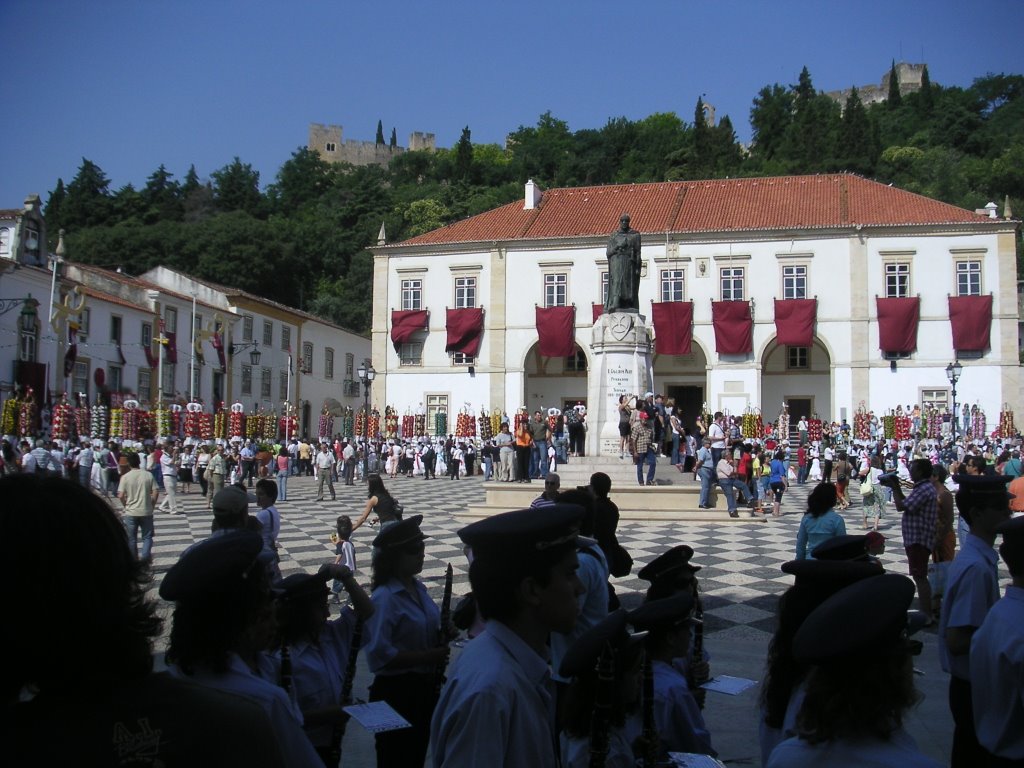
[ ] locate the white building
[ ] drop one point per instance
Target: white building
(847, 242)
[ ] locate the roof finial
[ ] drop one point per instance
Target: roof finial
(60, 245)
(382, 237)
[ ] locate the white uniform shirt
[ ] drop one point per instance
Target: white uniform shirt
(900, 751)
(997, 677)
(972, 588)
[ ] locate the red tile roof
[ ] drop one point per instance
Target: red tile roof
(723, 205)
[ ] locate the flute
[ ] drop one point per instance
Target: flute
(338, 733)
(697, 652)
(650, 731)
(446, 613)
(599, 720)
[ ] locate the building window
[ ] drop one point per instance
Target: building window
(968, 278)
(5, 243)
(798, 358)
(114, 377)
(84, 319)
(412, 294)
(934, 398)
(268, 333)
(246, 379)
(28, 337)
(197, 380)
(247, 328)
(465, 292)
(146, 335)
(604, 288)
(115, 329)
(350, 365)
(576, 361)
(169, 371)
(732, 284)
(286, 338)
(145, 390)
(794, 282)
(282, 388)
(895, 355)
(897, 281)
(197, 325)
(671, 285)
(265, 383)
(80, 379)
(328, 363)
(460, 358)
(307, 357)
(435, 404)
(331, 146)
(411, 353)
(32, 241)
(171, 319)
(556, 290)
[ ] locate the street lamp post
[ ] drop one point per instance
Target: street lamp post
(366, 375)
(953, 371)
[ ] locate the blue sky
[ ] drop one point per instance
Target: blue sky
(131, 84)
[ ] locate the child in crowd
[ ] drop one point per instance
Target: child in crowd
(345, 550)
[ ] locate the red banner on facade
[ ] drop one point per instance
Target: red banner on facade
(734, 327)
(971, 319)
(673, 327)
(897, 323)
(217, 340)
(598, 310)
(172, 347)
(465, 328)
(556, 331)
(404, 323)
(794, 322)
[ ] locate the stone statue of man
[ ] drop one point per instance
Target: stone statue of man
(623, 269)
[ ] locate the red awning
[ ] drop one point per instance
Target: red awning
(971, 318)
(734, 328)
(556, 331)
(404, 323)
(465, 327)
(673, 327)
(897, 323)
(794, 322)
(598, 310)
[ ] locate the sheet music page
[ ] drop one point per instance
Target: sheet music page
(377, 717)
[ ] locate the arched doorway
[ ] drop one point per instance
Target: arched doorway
(801, 377)
(685, 379)
(555, 381)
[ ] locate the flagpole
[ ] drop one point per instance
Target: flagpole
(288, 402)
(192, 357)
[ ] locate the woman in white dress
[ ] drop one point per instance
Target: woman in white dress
(814, 475)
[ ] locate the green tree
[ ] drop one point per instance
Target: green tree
(464, 156)
(770, 118)
(236, 187)
(394, 139)
(541, 152)
(855, 150)
(53, 213)
(87, 202)
(926, 97)
(809, 144)
(703, 151)
(380, 134)
(161, 197)
(425, 215)
(302, 179)
(895, 99)
(727, 151)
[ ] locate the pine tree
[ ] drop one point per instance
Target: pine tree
(855, 144)
(895, 99)
(703, 151)
(926, 96)
(464, 156)
(88, 198)
(53, 213)
(394, 139)
(191, 183)
(770, 117)
(380, 134)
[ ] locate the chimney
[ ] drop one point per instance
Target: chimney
(1007, 210)
(533, 196)
(991, 208)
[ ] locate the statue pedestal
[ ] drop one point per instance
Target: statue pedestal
(621, 365)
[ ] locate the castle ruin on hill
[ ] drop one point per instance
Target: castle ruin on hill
(327, 142)
(908, 75)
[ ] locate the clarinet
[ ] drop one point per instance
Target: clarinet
(650, 732)
(338, 733)
(446, 612)
(697, 653)
(599, 720)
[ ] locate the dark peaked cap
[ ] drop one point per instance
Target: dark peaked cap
(663, 614)
(831, 575)
(213, 566)
(982, 491)
(524, 530)
(845, 547)
(401, 533)
(672, 562)
(584, 653)
(302, 585)
(861, 618)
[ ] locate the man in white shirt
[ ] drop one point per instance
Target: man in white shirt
(170, 476)
(324, 464)
(716, 433)
(348, 458)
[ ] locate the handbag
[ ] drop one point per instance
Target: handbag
(866, 488)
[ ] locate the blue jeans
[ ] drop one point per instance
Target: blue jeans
(158, 476)
(133, 525)
(282, 486)
(488, 467)
(707, 480)
(732, 486)
(651, 461)
(541, 452)
(676, 459)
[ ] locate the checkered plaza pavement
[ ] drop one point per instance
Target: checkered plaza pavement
(740, 581)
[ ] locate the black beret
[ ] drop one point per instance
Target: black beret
(215, 565)
(863, 617)
(524, 530)
(673, 562)
(845, 547)
(982, 491)
(831, 575)
(401, 533)
(301, 585)
(584, 653)
(663, 614)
